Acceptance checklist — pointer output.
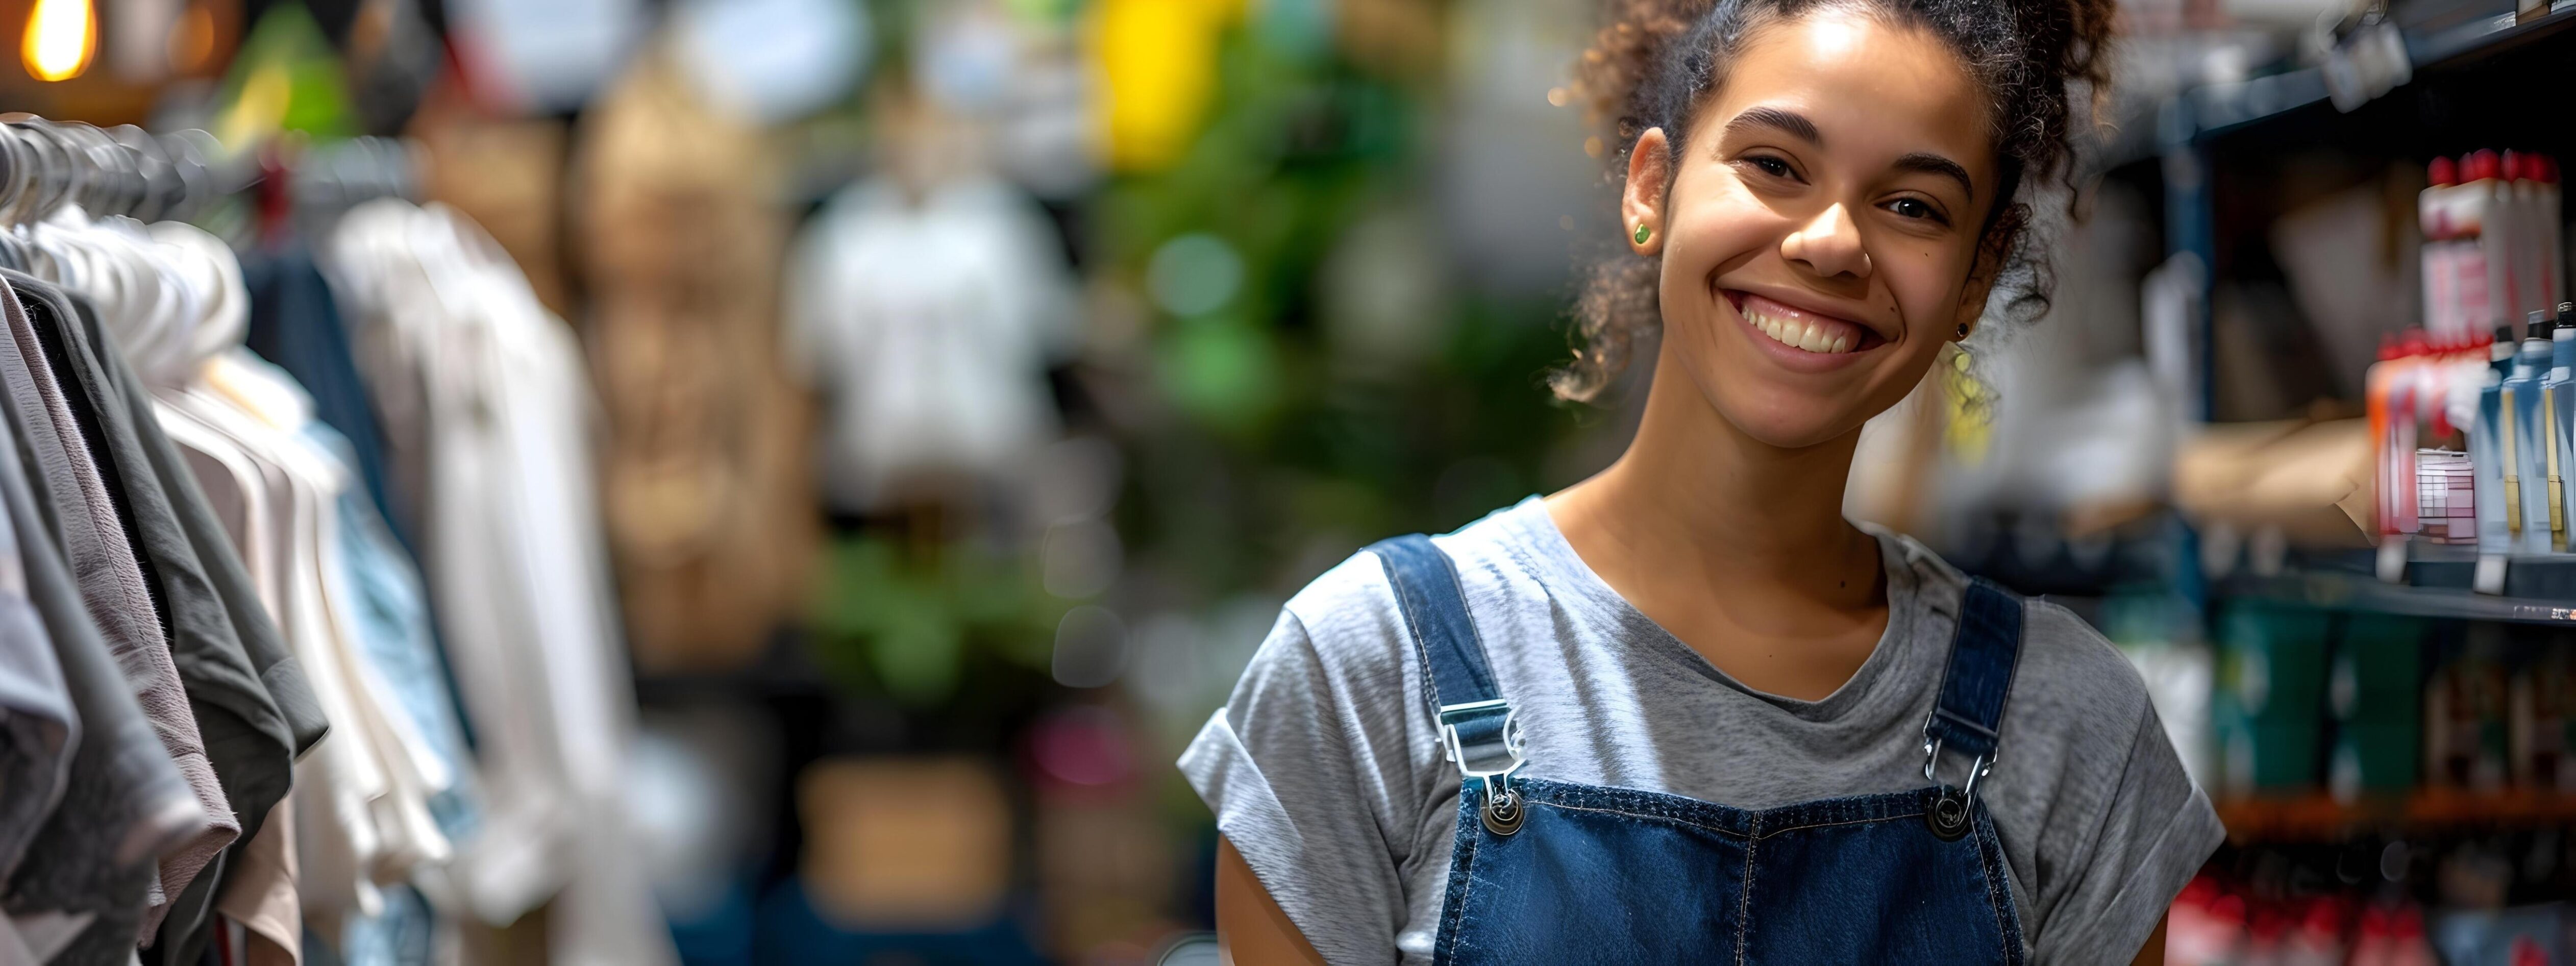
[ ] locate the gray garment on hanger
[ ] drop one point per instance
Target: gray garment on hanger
(252, 702)
(124, 801)
(125, 561)
(249, 742)
(39, 728)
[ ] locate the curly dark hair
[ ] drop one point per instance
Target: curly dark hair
(1655, 62)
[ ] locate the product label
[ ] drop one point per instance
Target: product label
(2470, 288)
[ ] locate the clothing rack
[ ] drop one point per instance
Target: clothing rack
(194, 501)
(121, 170)
(342, 174)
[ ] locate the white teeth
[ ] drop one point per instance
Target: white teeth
(1803, 335)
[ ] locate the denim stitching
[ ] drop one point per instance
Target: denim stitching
(1856, 821)
(1636, 815)
(2003, 936)
(1413, 627)
(1453, 910)
(1640, 803)
(1724, 818)
(1744, 893)
(1998, 893)
(1458, 939)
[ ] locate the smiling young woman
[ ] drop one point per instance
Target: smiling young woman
(1683, 710)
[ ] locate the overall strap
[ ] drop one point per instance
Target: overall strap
(1969, 717)
(1435, 610)
(1477, 730)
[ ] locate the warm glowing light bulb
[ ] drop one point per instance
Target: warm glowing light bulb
(62, 35)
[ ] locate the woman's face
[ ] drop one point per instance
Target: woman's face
(1821, 232)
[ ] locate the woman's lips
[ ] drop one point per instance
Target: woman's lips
(1801, 330)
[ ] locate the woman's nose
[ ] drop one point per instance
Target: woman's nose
(1829, 245)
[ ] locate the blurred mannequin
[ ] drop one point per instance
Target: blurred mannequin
(710, 511)
(926, 304)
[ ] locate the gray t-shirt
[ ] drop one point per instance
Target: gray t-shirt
(1324, 771)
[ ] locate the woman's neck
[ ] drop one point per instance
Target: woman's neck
(1697, 509)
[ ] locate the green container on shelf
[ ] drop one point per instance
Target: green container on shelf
(2377, 672)
(2260, 757)
(2374, 759)
(2272, 661)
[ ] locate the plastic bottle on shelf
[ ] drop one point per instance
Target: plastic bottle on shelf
(2523, 234)
(2372, 944)
(2526, 449)
(2553, 228)
(2435, 360)
(2318, 939)
(2520, 447)
(2407, 945)
(2558, 427)
(2484, 212)
(2464, 374)
(2499, 518)
(2388, 394)
(2204, 926)
(2440, 254)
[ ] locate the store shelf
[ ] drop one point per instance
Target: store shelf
(2216, 108)
(2319, 817)
(2538, 590)
(2485, 37)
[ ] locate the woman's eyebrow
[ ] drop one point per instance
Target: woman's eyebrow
(1788, 122)
(1936, 164)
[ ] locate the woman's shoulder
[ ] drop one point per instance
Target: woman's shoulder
(2069, 676)
(1350, 613)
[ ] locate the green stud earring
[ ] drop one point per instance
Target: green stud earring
(1643, 233)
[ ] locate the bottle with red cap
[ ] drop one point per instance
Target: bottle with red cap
(2487, 211)
(2441, 241)
(2384, 402)
(2553, 225)
(2527, 235)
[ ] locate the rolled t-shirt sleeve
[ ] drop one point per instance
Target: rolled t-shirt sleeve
(1298, 770)
(2157, 831)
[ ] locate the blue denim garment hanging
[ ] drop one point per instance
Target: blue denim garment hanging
(1552, 872)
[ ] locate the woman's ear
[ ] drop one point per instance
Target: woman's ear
(1641, 201)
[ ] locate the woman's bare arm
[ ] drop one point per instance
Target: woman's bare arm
(1250, 928)
(2151, 954)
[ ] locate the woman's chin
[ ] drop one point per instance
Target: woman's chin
(1787, 422)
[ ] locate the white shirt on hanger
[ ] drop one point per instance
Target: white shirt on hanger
(929, 324)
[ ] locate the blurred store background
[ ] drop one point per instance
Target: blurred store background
(947, 393)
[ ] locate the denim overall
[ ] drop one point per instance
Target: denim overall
(1551, 872)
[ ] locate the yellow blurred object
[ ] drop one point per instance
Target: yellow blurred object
(261, 109)
(62, 36)
(1969, 407)
(905, 845)
(1158, 67)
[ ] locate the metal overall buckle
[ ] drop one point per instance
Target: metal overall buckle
(1502, 811)
(1951, 815)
